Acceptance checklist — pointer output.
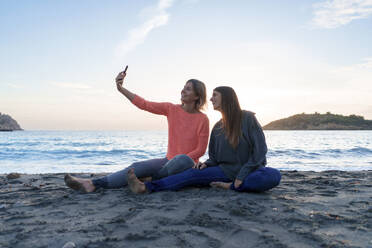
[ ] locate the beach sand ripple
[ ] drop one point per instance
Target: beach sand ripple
(308, 209)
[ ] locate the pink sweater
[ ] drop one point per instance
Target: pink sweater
(187, 133)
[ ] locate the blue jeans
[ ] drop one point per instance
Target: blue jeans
(260, 180)
(156, 168)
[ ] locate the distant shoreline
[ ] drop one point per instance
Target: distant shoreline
(320, 122)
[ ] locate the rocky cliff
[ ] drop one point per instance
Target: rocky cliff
(7, 123)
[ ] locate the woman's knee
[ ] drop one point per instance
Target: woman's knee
(261, 180)
(273, 174)
(135, 165)
(184, 159)
(179, 164)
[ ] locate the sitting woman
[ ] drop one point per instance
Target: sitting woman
(188, 132)
(237, 154)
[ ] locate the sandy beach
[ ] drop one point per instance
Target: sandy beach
(308, 209)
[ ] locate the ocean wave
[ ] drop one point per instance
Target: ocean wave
(312, 154)
(298, 153)
(41, 151)
(82, 144)
(50, 143)
(20, 144)
(361, 150)
(14, 154)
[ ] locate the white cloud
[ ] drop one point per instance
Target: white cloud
(335, 13)
(358, 77)
(15, 86)
(137, 35)
(367, 64)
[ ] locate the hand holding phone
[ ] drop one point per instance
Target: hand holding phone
(120, 78)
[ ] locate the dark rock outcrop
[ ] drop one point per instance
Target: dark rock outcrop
(7, 123)
(318, 121)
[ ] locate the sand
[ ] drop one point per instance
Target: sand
(308, 209)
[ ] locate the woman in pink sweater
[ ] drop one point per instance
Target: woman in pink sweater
(188, 133)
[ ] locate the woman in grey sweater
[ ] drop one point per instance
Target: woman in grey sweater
(237, 154)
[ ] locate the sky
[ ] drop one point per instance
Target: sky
(59, 59)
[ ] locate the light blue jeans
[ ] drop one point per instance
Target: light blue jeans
(156, 168)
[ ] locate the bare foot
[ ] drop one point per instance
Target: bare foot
(80, 184)
(221, 185)
(145, 179)
(135, 185)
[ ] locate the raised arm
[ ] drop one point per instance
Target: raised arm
(152, 107)
(119, 85)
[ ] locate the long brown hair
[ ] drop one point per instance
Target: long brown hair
(200, 91)
(231, 114)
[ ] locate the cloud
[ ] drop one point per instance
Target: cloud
(15, 86)
(137, 35)
(335, 13)
(367, 64)
(358, 76)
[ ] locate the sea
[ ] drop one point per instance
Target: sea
(35, 152)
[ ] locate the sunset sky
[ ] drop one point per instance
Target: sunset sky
(58, 59)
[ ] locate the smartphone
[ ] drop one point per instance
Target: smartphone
(125, 70)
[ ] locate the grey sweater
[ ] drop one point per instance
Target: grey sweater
(249, 155)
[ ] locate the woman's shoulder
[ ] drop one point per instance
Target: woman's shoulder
(201, 118)
(175, 106)
(248, 115)
(204, 116)
(217, 125)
